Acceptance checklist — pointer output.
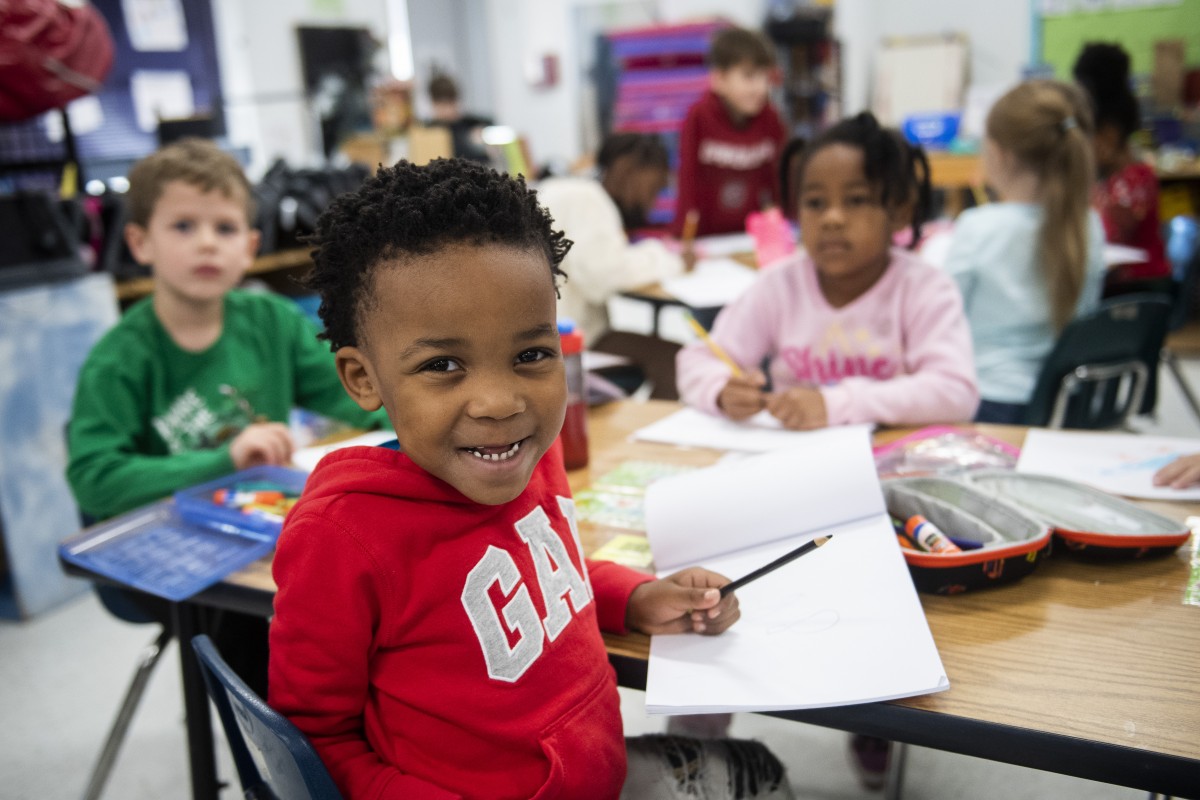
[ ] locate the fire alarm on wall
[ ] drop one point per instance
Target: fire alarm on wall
(541, 72)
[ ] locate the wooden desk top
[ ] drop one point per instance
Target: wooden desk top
(284, 259)
(1095, 652)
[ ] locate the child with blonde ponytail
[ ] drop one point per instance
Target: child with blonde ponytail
(1031, 262)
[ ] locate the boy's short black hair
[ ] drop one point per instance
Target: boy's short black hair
(407, 211)
(732, 47)
(646, 149)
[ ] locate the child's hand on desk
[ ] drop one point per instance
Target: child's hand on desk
(799, 409)
(743, 396)
(262, 443)
(1180, 473)
(689, 600)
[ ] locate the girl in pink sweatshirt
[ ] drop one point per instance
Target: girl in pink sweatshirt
(854, 330)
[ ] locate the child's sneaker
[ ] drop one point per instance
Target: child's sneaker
(870, 759)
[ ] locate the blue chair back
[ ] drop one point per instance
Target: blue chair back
(274, 759)
(1183, 251)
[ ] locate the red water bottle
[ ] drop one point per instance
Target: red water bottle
(574, 430)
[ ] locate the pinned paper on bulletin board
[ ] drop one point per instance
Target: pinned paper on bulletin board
(919, 74)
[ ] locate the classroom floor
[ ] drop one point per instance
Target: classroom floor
(62, 675)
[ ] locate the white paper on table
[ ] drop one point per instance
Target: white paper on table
(1116, 254)
(714, 282)
(1119, 463)
(306, 458)
(726, 244)
(758, 434)
(811, 633)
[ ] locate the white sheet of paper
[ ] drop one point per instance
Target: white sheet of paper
(714, 282)
(161, 94)
(1115, 254)
(726, 244)
(811, 632)
(759, 434)
(1119, 463)
(306, 458)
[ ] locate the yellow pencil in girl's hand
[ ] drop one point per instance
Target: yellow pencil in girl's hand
(713, 346)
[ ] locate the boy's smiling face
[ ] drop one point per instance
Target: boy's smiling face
(461, 347)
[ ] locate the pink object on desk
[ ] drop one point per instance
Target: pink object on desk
(772, 235)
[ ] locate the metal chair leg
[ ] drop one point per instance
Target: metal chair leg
(895, 773)
(1172, 362)
(116, 736)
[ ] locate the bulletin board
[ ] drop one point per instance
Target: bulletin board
(161, 48)
(1134, 28)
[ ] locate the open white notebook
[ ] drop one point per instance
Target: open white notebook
(841, 625)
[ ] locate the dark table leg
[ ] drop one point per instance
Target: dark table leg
(202, 760)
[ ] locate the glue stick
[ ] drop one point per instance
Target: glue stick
(927, 535)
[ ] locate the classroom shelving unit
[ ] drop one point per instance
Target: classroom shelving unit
(649, 77)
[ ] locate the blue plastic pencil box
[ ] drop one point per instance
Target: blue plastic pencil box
(176, 548)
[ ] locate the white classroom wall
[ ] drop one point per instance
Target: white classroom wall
(489, 44)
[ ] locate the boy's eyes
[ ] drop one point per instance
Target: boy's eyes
(441, 365)
(446, 364)
(532, 356)
(222, 228)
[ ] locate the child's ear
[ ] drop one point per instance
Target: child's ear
(135, 237)
(358, 378)
(254, 239)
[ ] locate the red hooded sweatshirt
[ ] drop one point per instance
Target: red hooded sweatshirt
(433, 647)
(726, 171)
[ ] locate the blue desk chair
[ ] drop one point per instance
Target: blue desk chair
(1183, 251)
(274, 760)
(1098, 373)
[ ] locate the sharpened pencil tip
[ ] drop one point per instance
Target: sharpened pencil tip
(820, 540)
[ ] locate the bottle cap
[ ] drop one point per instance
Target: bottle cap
(572, 339)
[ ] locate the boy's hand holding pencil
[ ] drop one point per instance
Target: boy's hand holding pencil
(688, 601)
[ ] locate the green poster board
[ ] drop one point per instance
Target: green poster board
(1135, 29)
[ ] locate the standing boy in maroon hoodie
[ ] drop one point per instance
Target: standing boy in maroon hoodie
(437, 627)
(731, 139)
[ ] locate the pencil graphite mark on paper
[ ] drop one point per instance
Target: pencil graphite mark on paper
(798, 613)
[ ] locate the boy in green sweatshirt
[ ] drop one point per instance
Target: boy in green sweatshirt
(197, 380)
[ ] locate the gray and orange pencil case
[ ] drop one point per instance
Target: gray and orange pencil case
(1004, 524)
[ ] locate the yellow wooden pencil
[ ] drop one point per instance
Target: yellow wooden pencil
(713, 346)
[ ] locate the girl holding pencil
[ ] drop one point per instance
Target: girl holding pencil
(851, 329)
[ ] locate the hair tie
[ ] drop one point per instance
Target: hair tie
(1068, 123)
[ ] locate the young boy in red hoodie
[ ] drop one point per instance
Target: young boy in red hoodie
(731, 139)
(437, 628)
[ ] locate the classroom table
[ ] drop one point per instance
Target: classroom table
(1083, 668)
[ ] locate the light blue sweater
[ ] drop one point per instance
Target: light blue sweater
(993, 257)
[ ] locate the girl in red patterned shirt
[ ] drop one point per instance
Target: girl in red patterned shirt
(1126, 194)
